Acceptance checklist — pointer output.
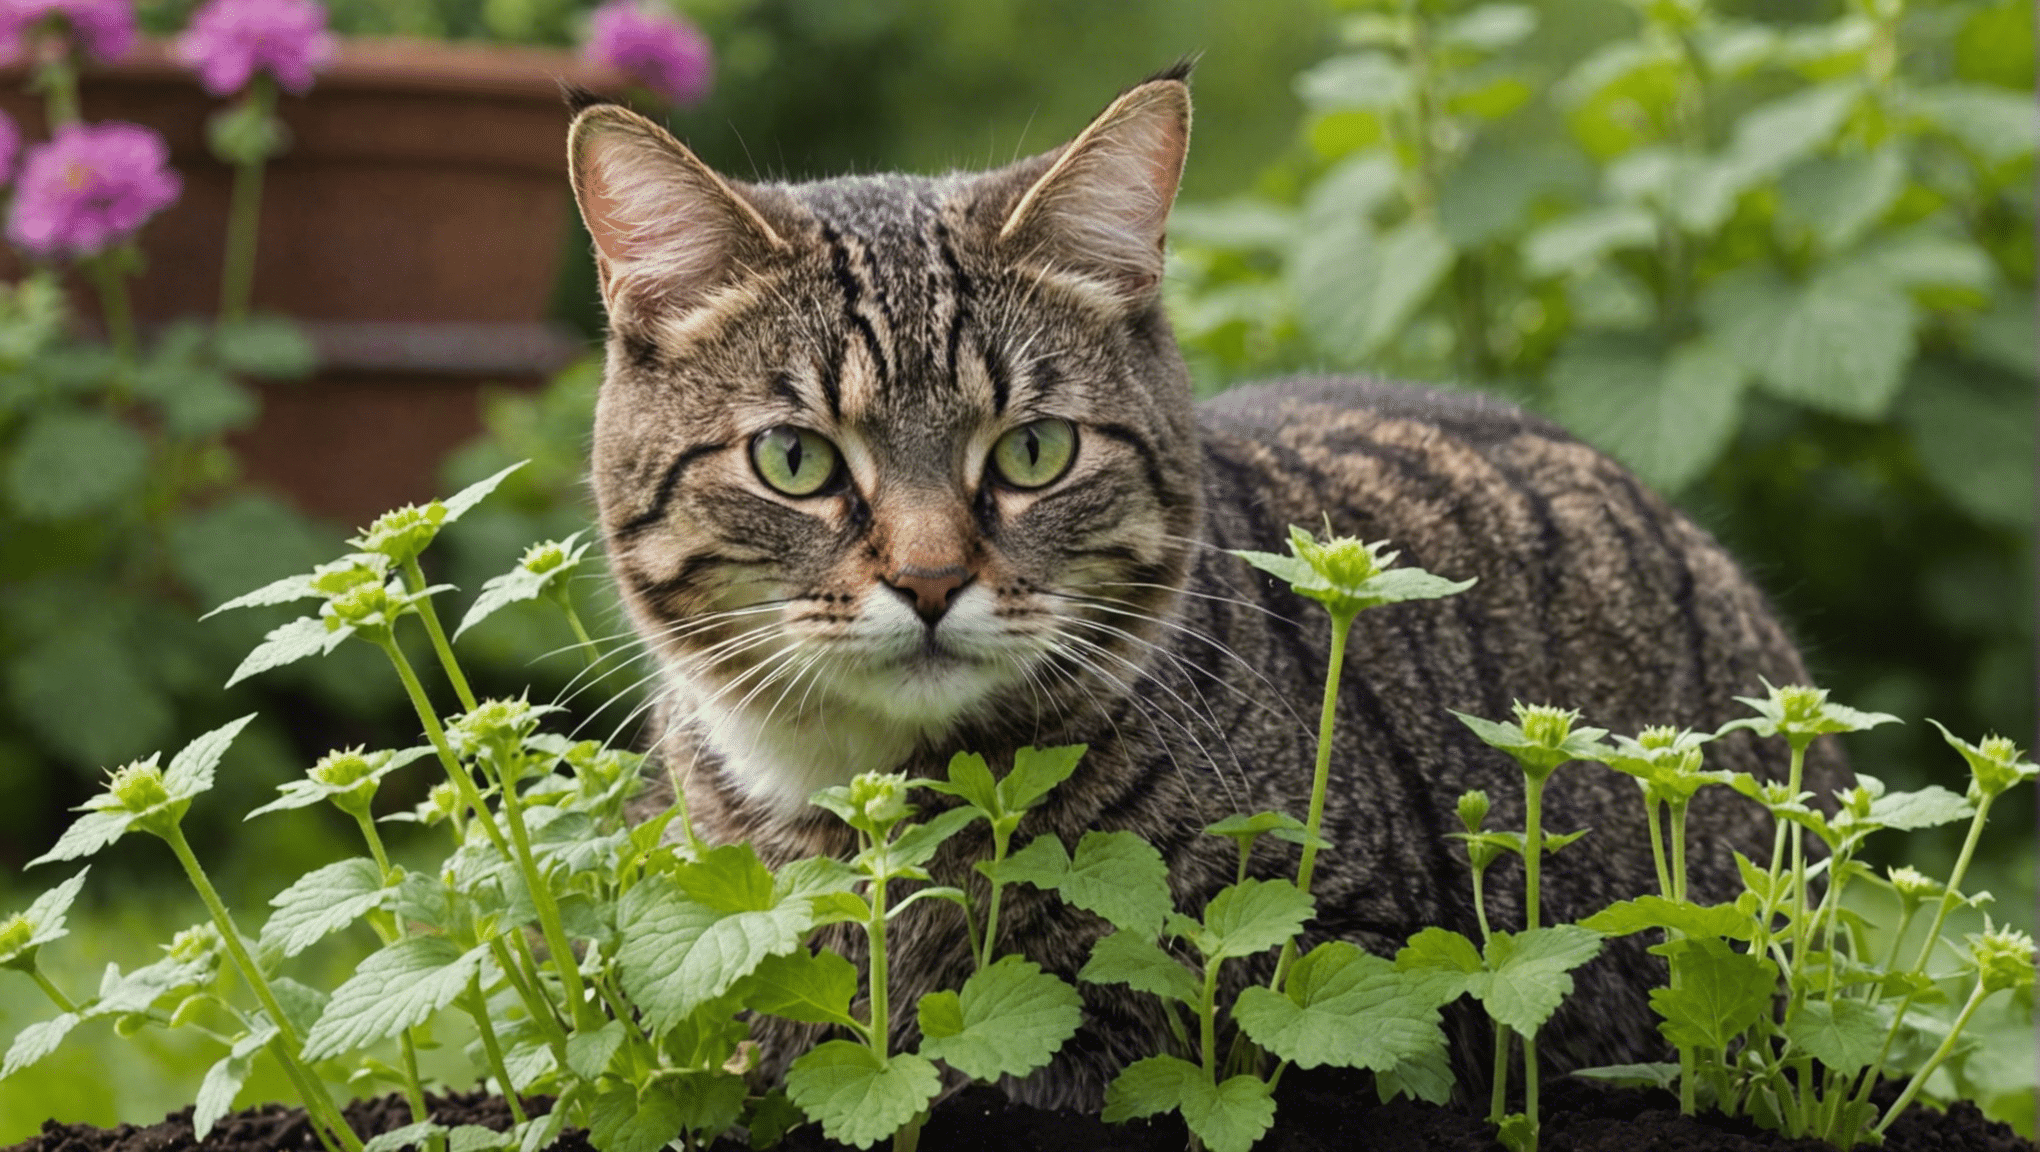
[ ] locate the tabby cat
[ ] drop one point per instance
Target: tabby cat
(892, 466)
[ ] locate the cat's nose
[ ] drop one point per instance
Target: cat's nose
(929, 589)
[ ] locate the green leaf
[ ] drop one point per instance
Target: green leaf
(1721, 993)
(1117, 875)
(72, 462)
(1415, 256)
(1035, 772)
(1148, 1086)
(87, 835)
(588, 1053)
(1254, 916)
(37, 1041)
(1010, 1019)
(1972, 436)
(810, 987)
(1448, 963)
(394, 989)
(1361, 80)
(678, 951)
(197, 401)
(288, 644)
(1844, 1035)
(1839, 343)
(627, 1120)
(1633, 1075)
(1428, 1078)
(1574, 242)
(918, 843)
(1230, 1117)
(1930, 807)
(857, 1097)
(473, 494)
(499, 592)
(321, 903)
(272, 347)
(1835, 198)
(1995, 123)
(1530, 972)
(1331, 274)
(1627, 916)
(191, 770)
(1774, 135)
(970, 780)
(1137, 962)
(413, 1135)
(1490, 27)
(224, 1079)
(1668, 417)
(1343, 1007)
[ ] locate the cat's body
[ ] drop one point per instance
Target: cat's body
(930, 594)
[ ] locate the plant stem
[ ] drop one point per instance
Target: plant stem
(1678, 850)
(478, 1007)
(1912, 1086)
(1207, 1020)
(1342, 623)
(57, 79)
(588, 648)
(535, 1003)
(1533, 855)
(1000, 843)
(548, 911)
(1498, 1093)
(244, 217)
(462, 782)
(1652, 817)
(414, 581)
(1480, 907)
(113, 304)
(1800, 940)
(288, 1043)
(50, 990)
(874, 930)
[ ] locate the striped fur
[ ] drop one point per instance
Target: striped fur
(912, 321)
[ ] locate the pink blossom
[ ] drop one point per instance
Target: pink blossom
(658, 49)
(104, 29)
(90, 186)
(231, 40)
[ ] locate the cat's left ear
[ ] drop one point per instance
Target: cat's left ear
(1101, 207)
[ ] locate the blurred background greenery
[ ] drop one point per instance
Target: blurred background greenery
(1778, 256)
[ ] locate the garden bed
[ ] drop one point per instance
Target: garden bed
(1328, 1113)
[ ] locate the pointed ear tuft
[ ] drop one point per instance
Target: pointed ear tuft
(1101, 208)
(668, 231)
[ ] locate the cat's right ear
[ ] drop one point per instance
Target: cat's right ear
(668, 231)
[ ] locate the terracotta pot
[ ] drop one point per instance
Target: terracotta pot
(415, 228)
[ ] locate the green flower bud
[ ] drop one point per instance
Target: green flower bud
(1344, 561)
(346, 768)
(1801, 703)
(1473, 809)
(196, 944)
(1659, 738)
(403, 533)
(138, 787)
(495, 728)
(540, 559)
(16, 933)
(440, 803)
(1911, 884)
(881, 797)
(2003, 958)
(1544, 725)
(342, 576)
(364, 606)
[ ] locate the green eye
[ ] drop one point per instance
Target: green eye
(1032, 455)
(794, 460)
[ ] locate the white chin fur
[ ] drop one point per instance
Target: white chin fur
(864, 710)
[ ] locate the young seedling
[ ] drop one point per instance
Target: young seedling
(1541, 740)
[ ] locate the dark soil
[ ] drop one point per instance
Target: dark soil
(1325, 1113)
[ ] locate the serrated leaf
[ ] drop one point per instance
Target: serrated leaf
(191, 770)
(288, 644)
(1428, 1077)
(87, 834)
(1343, 1007)
(1254, 916)
(37, 1041)
(1137, 962)
(918, 843)
(1627, 916)
(1363, 80)
(1530, 972)
(624, 1120)
(588, 1053)
(1774, 135)
(810, 987)
(1970, 432)
(1995, 123)
(282, 591)
(1009, 1019)
(223, 1082)
(73, 462)
(1230, 1117)
(1448, 962)
(468, 497)
(1117, 875)
(1668, 417)
(678, 952)
(1844, 1035)
(413, 1135)
(1721, 993)
(394, 989)
(1148, 1086)
(1835, 198)
(1572, 243)
(1035, 771)
(321, 903)
(475, 1138)
(47, 912)
(1930, 807)
(970, 780)
(499, 592)
(1839, 343)
(855, 1096)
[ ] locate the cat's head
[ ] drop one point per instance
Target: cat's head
(890, 461)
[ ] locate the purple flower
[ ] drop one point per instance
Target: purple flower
(231, 40)
(90, 186)
(105, 29)
(659, 50)
(10, 143)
